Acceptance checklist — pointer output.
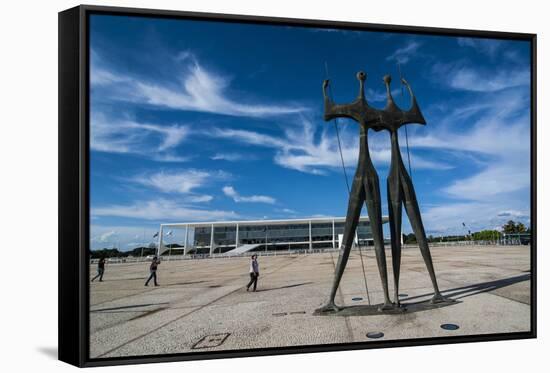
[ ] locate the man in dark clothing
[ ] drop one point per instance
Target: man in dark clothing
(100, 269)
(153, 270)
(254, 273)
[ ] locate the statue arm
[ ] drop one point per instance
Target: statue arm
(413, 115)
(333, 110)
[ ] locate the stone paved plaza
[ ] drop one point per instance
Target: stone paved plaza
(202, 304)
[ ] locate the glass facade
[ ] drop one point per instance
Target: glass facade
(275, 236)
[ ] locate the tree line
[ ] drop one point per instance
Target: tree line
(511, 227)
(138, 251)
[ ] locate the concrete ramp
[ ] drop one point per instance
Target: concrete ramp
(244, 248)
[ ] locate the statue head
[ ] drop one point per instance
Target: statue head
(390, 118)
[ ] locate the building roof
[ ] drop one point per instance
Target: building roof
(266, 222)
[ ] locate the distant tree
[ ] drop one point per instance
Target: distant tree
(485, 235)
(509, 227)
(410, 239)
(513, 227)
(107, 253)
(145, 250)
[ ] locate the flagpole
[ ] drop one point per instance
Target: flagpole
(142, 245)
(170, 248)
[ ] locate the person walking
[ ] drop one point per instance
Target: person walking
(100, 269)
(254, 273)
(153, 269)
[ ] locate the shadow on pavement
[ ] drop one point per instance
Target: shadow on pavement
(409, 307)
(482, 287)
(286, 287)
(126, 307)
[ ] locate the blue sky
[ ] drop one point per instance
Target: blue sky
(200, 121)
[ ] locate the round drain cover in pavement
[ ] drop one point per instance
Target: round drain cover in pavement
(449, 326)
(357, 298)
(375, 335)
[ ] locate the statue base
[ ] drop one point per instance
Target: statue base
(375, 309)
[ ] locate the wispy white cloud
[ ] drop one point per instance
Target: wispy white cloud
(168, 157)
(474, 80)
(295, 150)
(183, 182)
(506, 170)
(489, 47)
(482, 117)
(195, 88)
(231, 157)
(100, 76)
(287, 211)
(497, 139)
(161, 210)
(467, 77)
(403, 54)
(421, 163)
(105, 236)
(198, 198)
(232, 193)
(513, 214)
(301, 148)
(127, 136)
(179, 181)
(105, 78)
(379, 95)
(185, 56)
(496, 180)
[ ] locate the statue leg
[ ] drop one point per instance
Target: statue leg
(395, 203)
(374, 209)
(413, 212)
(356, 199)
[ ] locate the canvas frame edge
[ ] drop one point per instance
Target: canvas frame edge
(73, 193)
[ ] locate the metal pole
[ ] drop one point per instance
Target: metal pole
(211, 239)
(333, 235)
(310, 240)
(169, 249)
(193, 244)
(161, 233)
(237, 236)
(141, 255)
(186, 239)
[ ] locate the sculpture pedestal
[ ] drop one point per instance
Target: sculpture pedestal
(373, 310)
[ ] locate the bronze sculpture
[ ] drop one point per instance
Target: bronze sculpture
(401, 190)
(365, 188)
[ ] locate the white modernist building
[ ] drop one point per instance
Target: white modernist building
(255, 235)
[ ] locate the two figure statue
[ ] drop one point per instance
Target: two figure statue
(366, 189)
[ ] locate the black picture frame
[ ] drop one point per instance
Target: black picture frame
(74, 204)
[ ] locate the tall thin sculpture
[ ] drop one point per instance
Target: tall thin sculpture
(401, 189)
(365, 189)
